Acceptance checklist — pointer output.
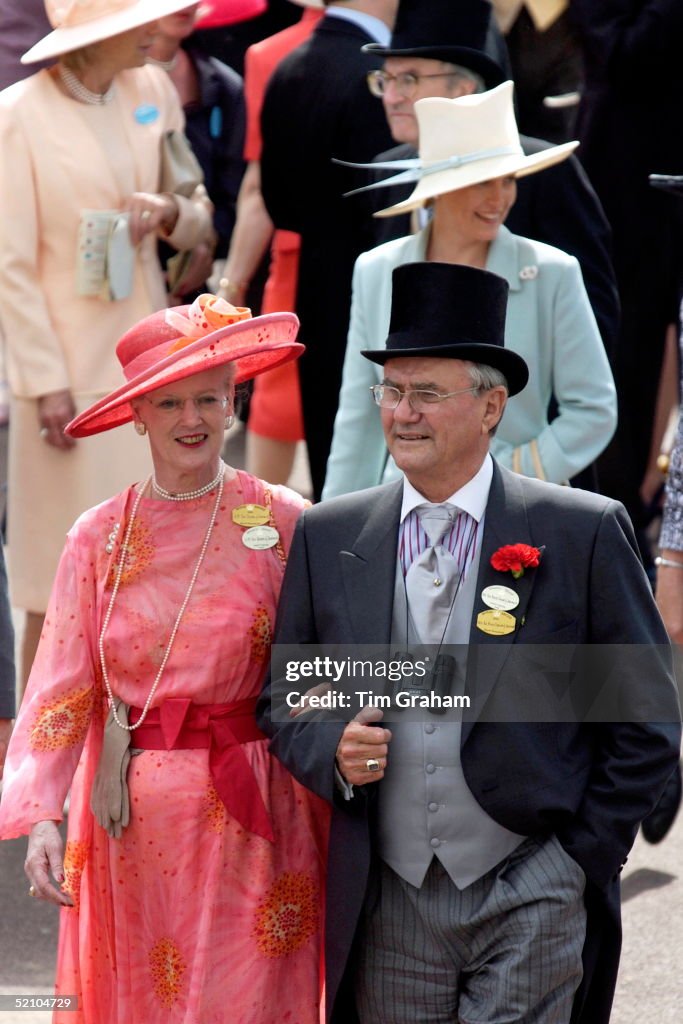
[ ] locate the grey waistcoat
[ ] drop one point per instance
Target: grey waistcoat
(425, 806)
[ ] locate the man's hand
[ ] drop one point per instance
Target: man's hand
(55, 410)
(44, 857)
(5, 733)
(360, 743)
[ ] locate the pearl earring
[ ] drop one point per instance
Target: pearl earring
(140, 428)
(229, 420)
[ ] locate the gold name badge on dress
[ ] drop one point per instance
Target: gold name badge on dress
(260, 537)
(250, 515)
(496, 623)
(500, 598)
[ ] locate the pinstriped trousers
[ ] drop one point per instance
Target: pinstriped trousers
(504, 950)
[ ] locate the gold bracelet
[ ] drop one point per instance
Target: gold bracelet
(668, 563)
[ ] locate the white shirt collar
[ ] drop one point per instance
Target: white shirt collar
(472, 497)
(374, 27)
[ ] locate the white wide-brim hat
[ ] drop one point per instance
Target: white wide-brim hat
(78, 23)
(464, 141)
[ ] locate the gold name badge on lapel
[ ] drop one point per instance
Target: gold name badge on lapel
(250, 515)
(496, 623)
(258, 538)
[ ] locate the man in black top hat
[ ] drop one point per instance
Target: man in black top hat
(453, 49)
(474, 861)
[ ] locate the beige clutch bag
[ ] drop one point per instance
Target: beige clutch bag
(180, 169)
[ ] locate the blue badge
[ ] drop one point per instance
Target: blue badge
(146, 113)
(216, 123)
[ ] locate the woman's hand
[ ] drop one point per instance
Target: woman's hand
(197, 273)
(44, 857)
(669, 595)
(54, 412)
(151, 213)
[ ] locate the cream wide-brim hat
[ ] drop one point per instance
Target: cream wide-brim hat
(78, 23)
(309, 3)
(465, 141)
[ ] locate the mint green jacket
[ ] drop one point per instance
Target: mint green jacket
(549, 322)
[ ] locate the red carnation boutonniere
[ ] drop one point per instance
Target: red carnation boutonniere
(515, 558)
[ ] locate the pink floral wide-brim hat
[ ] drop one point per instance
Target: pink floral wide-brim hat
(176, 343)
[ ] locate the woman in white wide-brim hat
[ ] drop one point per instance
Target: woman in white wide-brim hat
(470, 158)
(191, 881)
(80, 144)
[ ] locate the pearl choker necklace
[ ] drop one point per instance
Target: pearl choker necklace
(165, 65)
(75, 87)
(189, 495)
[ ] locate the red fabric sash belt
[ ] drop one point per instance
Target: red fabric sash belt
(178, 724)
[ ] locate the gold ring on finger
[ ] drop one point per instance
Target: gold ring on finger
(32, 890)
(372, 764)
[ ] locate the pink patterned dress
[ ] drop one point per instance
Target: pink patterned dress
(188, 917)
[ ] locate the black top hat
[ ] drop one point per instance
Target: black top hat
(450, 30)
(451, 312)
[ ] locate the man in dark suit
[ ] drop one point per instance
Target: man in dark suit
(629, 126)
(317, 106)
(558, 207)
(474, 862)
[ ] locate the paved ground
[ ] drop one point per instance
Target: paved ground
(650, 989)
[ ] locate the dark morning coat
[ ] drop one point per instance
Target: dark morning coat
(317, 106)
(629, 125)
(590, 784)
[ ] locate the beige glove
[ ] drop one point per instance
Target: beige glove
(109, 800)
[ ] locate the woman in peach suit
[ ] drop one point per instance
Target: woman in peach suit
(83, 135)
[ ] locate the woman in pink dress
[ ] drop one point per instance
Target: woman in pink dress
(192, 890)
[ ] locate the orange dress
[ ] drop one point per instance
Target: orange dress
(188, 917)
(275, 407)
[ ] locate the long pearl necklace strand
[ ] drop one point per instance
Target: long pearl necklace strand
(80, 92)
(189, 495)
(117, 582)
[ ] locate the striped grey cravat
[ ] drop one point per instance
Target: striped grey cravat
(432, 579)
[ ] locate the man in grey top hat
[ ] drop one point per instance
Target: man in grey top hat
(474, 862)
